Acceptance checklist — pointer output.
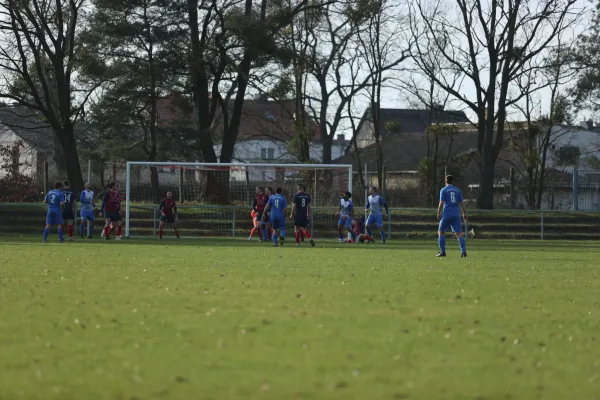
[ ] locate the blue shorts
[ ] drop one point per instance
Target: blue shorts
(345, 221)
(54, 217)
(450, 222)
(300, 221)
(277, 222)
(89, 215)
(376, 220)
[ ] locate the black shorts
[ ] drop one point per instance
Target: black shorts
(259, 217)
(300, 222)
(113, 216)
(167, 218)
(68, 215)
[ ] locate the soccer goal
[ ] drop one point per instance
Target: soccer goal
(216, 199)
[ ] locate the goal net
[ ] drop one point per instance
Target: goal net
(217, 199)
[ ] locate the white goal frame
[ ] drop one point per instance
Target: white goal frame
(200, 164)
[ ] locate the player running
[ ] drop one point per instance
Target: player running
(375, 219)
(260, 202)
(68, 214)
(86, 212)
(256, 226)
(168, 213)
(54, 199)
(300, 214)
(345, 210)
(277, 206)
(111, 209)
(451, 201)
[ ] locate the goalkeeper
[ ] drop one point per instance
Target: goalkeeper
(168, 213)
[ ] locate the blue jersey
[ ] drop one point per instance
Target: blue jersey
(54, 198)
(69, 199)
(346, 208)
(452, 197)
(374, 203)
(277, 203)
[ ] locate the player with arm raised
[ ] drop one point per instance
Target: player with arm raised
(277, 206)
(68, 213)
(345, 210)
(260, 202)
(451, 203)
(375, 219)
(300, 214)
(87, 211)
(168, 213)
(111, 209)
(54, 199)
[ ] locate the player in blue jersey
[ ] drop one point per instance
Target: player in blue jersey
(451, 203)
(300, 214)
(55, 200)
(376, 216)
(277, 207)
(345, 210)
(87, 211)
(68, 214)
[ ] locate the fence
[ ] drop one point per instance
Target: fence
(401, 223)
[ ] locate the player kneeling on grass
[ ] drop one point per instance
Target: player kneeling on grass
(168, 213)
(300, 214)
(451, 203)
(87, 211)
(277, 207)
(111, 210)
(358, 227)
(68, 213)
(375, 219)
(54, 199)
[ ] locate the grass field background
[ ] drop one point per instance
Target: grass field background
(223, 319)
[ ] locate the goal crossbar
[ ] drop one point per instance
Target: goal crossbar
(131, 164)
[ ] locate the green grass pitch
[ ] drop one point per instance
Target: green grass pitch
(221, 319)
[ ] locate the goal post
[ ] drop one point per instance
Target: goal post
(215, 199)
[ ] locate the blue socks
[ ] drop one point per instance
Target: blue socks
(275, 238)
(82, 229)
(463, 245)
(369, 232)
(61, 236)
(263, 229)
(442, 243)
(382, 236)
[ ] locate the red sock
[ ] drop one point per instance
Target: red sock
(111, 228)
(119, 230)
(160, 232)
(369, 238)
(70, 231)
(297, 236)
(107, 231)
(62, 226)
(307, 234)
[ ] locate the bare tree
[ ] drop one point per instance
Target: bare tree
(39, 56)
(531, 141)
(378, 48)
(491, 44)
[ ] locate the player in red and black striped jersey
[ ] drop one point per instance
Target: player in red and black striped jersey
(260, 202)
(111, 209)
(168, 214)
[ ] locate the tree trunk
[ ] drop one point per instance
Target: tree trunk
(66, 138)
(485, 200)
(327, 146)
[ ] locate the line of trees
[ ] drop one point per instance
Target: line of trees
(106, 64)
